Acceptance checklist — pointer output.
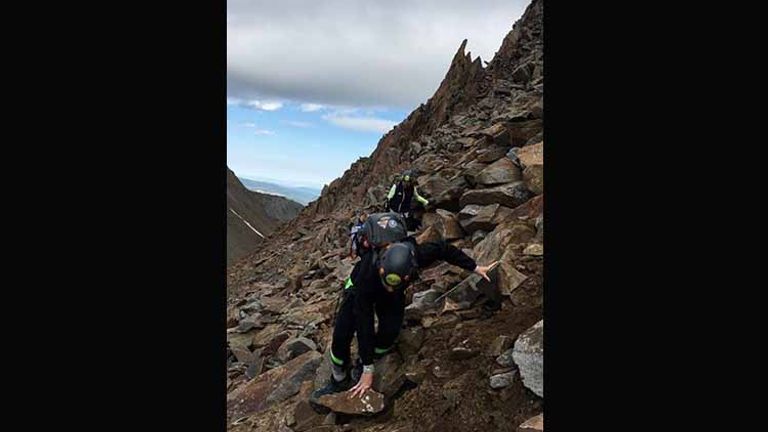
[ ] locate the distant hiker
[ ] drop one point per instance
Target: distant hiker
(389, 262)
(400, 196)
(354, 229)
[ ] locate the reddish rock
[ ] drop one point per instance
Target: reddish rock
(509, 195)
(533, 424)
(370, 402)
(534, 178)
(484, 218)
(272, 387)
(532, 155)
(500, 172)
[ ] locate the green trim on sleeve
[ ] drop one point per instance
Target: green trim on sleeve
(392, 191)
(419, 198)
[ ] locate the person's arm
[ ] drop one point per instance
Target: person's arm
(419, 198)
(441, 250)
(392, 191)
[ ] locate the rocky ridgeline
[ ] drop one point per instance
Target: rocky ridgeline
(478, 144)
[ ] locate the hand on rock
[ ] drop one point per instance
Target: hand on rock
(366, 381)
(483, 270)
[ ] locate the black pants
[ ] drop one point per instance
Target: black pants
(389, 310)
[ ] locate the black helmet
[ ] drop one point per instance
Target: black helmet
(396, 265)
(409, 175)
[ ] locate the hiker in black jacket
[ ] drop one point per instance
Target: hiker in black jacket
(400, 200)
(377, 285)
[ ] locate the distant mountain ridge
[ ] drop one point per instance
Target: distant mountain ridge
(302, 195)
(251, 216)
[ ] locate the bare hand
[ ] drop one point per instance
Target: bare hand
(483, 270)
(366, 381)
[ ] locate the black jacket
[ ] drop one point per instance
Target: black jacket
(369, 289)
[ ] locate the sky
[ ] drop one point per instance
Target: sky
(313, 85)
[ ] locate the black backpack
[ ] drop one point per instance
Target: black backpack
(383, 228)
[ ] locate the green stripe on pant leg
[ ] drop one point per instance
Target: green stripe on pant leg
(336, 360)
(348, 283)
(381, 350)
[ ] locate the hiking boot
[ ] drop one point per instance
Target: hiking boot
(356, 372)
(333, 386)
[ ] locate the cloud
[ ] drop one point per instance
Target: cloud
(298, 124)
(350, 52)
(362, 124)
(265, 106)
(257, 131)
(311, 107)
(254, 104)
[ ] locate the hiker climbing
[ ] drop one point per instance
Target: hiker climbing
(389, 263)
(354, 229)
(400, 197)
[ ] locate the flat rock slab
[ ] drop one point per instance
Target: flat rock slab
(371, 402)
(272, 387)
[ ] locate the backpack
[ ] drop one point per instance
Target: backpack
(382, 228)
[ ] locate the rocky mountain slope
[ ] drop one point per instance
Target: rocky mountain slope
(251, 216)
(478, 144)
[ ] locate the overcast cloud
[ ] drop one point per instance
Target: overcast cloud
(359, 53)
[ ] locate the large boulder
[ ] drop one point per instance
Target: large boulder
(493, 246)
(475, 217)
(500, 172)
(532, 159)
(491, 154)
(472, 170)
(272, 387)
(528, 355)
(390, 374)
(446, 224)
(430, 234)
(532, 155)
(533, 176)
(294, 347)
(509, 195)
(497, 134)
(509, 277)
(422, 303)
(410, 340)
(443, 192)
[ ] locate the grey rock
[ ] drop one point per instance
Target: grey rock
(528, 355)
(509, 195)
(294, 347)
(502, 380)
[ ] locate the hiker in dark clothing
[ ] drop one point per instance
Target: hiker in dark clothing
(377, 285)
(353, 230)
(400, 200)
(402, 193)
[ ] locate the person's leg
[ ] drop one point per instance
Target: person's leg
(343, 332)
(390, 314)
